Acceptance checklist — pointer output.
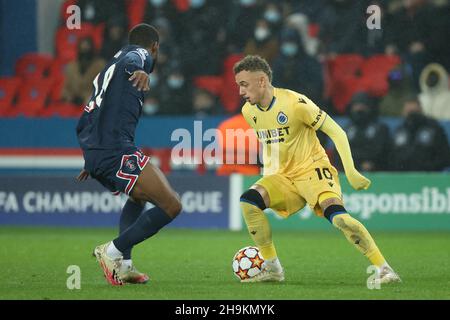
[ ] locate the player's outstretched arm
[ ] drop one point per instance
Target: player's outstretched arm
(140, 80)
(335, 132)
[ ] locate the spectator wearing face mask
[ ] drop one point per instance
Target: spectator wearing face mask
(369, 138)
(241, 23)
(115, 37)
(163, 9)
(81, 73)
(204, 37)
(301, 23)
(342, 26)
(100, 11)
(420, 143)
(151, 105)
(205, 104)
(400, 88)
(176, 93)
(435, 95)
(273, 15)
(264, 43)
(407, 32)
(296, 70)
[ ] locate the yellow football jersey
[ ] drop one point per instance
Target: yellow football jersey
(287, 131)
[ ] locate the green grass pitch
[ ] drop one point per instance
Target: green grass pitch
(190, 264)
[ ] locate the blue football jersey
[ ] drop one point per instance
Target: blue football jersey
(109, 119)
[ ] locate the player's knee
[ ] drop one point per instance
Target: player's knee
(253, 197)
(137, 201)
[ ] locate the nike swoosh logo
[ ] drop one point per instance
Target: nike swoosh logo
(141, 102)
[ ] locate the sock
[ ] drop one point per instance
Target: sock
(358, 235)
(145, 226)
(113, 252)
(126, 264)
(130, 212)
(259, 229)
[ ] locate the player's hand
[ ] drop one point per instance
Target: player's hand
(357, 180)
(140, 80)
(83, 175)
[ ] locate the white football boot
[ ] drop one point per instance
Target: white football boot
(267, 274)
(111, 267)
(386, 275)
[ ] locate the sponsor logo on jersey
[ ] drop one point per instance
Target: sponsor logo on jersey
(319, 116)
(273, 135)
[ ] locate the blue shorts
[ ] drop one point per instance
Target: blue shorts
(116, 170)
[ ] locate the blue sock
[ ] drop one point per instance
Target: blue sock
(130, 212)
(148, 224)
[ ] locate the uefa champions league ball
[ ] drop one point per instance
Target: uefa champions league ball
(247, 263)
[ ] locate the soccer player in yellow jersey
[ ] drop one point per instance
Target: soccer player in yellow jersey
(297, 170)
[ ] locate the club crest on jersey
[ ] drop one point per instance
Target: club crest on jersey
(282, 118)
(130, 165)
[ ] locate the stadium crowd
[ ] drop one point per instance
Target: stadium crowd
(322, 48)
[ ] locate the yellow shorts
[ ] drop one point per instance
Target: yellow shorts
(288, 196)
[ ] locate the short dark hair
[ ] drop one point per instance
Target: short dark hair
(143, 35)
(253, 63)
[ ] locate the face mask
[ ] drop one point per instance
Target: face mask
(414, 119)
(289, 49)
(272, 16)
(197, 3)
(85, 55)
(247, 3)
(154, 80)
(361, 117)
(150, 108)
(157, 3)
(432, 80)
(175, 82)
(261, 34)
(89, 11)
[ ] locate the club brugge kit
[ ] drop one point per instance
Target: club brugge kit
(107, 127)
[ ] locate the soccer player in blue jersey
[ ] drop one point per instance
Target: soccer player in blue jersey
(106, 135)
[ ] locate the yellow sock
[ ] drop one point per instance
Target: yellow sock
(358, 235)
(259, 229)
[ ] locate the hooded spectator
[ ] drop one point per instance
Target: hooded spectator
(435, 94)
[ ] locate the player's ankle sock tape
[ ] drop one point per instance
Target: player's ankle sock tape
(130, 212)
(333, 210)
(253, 197)
(148, 224)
